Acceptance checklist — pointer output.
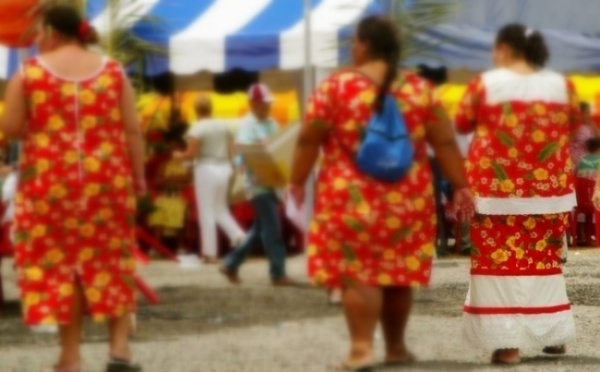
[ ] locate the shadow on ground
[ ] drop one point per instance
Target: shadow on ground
(197, 310)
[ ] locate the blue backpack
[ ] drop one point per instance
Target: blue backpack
(386, 152)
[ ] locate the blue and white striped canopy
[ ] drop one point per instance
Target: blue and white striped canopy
(220, 35)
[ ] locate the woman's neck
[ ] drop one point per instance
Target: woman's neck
(374, 69)
(520, 67)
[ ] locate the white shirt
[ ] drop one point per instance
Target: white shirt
(215, 138)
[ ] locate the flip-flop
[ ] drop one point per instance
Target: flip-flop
(64, 369)
(116, 365)
(555, 350)
(409, 359)
(496, 359)
(347, 367)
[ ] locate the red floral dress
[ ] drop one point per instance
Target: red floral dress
(520, 170)
(75, 206)
(364, 230)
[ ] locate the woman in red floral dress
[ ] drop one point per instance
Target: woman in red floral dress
(82, 156)
(521, 172)
(373, 239)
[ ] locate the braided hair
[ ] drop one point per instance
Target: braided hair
(383, 40)
(526, 43)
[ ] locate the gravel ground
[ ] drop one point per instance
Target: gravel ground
(203, 324)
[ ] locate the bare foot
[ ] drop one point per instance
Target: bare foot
(506, 356)
(285, 282)
(397, 359)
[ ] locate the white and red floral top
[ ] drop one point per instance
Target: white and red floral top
(519, 161)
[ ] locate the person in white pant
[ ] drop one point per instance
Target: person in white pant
(210, 146)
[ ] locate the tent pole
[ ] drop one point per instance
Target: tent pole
(308, 88)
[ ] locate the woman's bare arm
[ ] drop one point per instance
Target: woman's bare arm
(307, 151)
(14, 117)
(191, 150)
(135, 139)
(440, 136)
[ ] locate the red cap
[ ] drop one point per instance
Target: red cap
(260, 93)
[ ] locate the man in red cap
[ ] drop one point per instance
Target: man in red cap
(257, 127)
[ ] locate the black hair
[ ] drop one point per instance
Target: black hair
(383, 39)
(584, 107)
(67, 21)
(525, 42)
(593, 145)
(436, 76)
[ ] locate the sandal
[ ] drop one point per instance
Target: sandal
(407, 360)
(117, 365)
(345, 366)
(555, 350)
(63, 369)
(497, 360)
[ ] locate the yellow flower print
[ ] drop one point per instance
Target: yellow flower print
(540, 266)
(482, 131)
(419, 204)
(55, 256)
(320, 276)
(34, 274)
(354, 266)
(86, 254)
(485, 162)
(511, 243)
(71, 157)
(71, 223)
(88, 97)
(120, 182)
(487, 223)
(115, 115)
(65, 289)
(563, 140)
(363, 237)
(513, 153)
(384, 279)
(105, 213)
(32, 299)
(540, 174)
(68, 89)
(562, 118)
(92, 189)
(115, 243)
(413, 263)
(541, 245)
(107, 148)
(510, 221)
(93, 295)
(88, 230)
(105, 81)
(539, 109)
(367, 96)
(428, 249)
(312, 250)
(102, 279)
(507, 186)
(89, 122)
(38, 231)
(562, 180)
(38, 97)
(363, 208)
(419, 132)
(333, 245)
(538, 136)
(58, 191)
(394, 197)
(34, 73)
(56, 123)
(389, 254)
(512, 121)
(340, 184)
(499, 256)
(530, 223)
(42, 140)
(41, 207)
(392, 223)
(42, 165)
(91, 164)
(519, 253)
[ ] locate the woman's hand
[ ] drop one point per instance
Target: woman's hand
(178, 155)
(596, 198)
(297, 193)
(464, 204)
(141, 187)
